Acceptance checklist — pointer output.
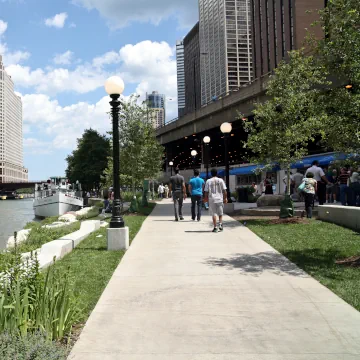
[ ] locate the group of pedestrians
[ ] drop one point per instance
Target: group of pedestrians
(213, 192)
(325, 186)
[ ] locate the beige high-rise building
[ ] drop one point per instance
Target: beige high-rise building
(156, 108)
(225, 46)
(11, 132)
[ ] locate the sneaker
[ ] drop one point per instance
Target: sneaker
(221, 227)
(176, 219)
(193, 219)
(181, 218)
(215, 230)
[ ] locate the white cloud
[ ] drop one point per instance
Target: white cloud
(64, 58)
(72, 25)
(148, 65)
(34, 146)
(9, 57)
(121, 13)
(57, 21)
(3, 27)
(53, 81)
(62, 125)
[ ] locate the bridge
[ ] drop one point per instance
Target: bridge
(225, 109)
(13, 186)
(182, 135)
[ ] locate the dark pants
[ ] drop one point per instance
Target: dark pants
(196, 200)
(178, 198)
(321, 192)
(309, 200)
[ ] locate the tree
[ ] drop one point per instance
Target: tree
(140, 152)
(339, 52)
(284, 124)
(88, 162)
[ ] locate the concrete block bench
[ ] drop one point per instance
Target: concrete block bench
(347, 216)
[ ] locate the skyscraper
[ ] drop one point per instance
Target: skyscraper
(156, 108)
(192, 70)
(11, 135)
(180, 76)
(226, 46)
(280, 26)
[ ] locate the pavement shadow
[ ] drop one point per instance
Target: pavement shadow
(255, 264)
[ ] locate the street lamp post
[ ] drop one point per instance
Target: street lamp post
(193, 154)
(226, 129)
(206, 141)
(114, 86)
(171, 164)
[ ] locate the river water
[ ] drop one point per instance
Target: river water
(14, 214)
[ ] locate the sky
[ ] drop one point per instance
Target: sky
(60, 52)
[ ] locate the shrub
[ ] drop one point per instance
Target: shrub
(30, 303)
(33, 346)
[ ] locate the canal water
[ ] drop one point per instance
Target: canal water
(14, 214)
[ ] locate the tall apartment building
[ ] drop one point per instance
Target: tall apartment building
(156, 108)
(226, 46)
(11, 135)
(192, 57)
(279, 26)
(180, 77)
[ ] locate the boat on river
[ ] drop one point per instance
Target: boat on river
(57, 197)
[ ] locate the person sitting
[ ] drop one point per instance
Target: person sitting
(107, 206)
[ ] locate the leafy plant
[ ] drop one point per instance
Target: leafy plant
(32, 347)
(30, 306)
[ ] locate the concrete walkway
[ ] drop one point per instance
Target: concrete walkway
(184, 293)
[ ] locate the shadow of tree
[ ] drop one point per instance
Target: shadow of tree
(255, 264)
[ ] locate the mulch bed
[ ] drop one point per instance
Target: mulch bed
(353, 261)
(293, 220)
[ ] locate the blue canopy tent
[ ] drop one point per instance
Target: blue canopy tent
(324, 160)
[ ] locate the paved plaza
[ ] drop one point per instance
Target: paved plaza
(182, 292)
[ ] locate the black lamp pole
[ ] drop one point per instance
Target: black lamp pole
(171, 169)
(116, 220)
(207, 160)
(227, 166)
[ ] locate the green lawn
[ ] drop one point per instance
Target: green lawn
(315, 247)
(91, 265)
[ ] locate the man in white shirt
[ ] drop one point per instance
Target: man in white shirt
(161, 191)
(320, 177)
(216, 196)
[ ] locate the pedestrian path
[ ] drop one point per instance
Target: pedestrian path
(184, 293)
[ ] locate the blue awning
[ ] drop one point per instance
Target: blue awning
(324, 160)
(221, 173)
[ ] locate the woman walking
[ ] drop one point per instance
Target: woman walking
(309, 188)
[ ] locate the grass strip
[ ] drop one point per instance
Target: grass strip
(91, 265)
(315, 247)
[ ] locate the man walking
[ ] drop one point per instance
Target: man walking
(161, 190)
(215, 194)
(196, 188)
(178, 189)
(321, 179)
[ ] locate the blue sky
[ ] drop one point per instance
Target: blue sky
(59, 53)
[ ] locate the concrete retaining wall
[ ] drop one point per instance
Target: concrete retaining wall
(347, 216)
(57, 249)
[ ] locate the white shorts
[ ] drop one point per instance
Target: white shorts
(216, 209)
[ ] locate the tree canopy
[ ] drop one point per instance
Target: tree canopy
(140, 152)
(88, 162)
(339, 52)
(284, 124)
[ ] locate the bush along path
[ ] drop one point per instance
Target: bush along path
(43, 313)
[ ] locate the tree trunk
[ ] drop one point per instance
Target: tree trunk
(288, 182)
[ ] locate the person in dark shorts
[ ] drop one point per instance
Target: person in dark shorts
(196, 190)
(178, 189)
